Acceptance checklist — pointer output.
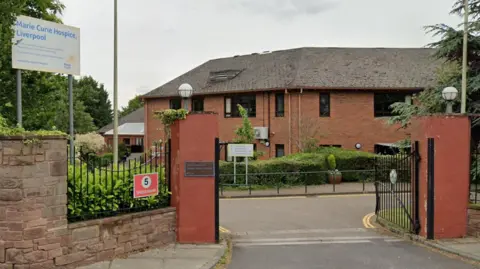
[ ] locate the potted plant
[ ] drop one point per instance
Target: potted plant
(334, 176)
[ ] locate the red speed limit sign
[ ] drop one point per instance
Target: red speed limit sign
(145, 185)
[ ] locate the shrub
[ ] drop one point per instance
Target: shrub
(291, 170)
(332, 164)
(87, 144)
(102, 192)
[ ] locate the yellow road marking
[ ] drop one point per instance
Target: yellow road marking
(299, 197)
(367, 221)
(224, 230)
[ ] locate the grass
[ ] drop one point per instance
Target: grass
(227, 256)
(398, 217)
(474, 206)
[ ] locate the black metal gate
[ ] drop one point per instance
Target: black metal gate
(396, 189)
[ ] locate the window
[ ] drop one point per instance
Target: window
(246, 101)
(324, 105)
(139, 141)
(279, 104)
(330, 146)
(383, 101)
(197, 104)
(126, 141)
(175, 103)
(279, 150)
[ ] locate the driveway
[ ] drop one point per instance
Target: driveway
(318, 232)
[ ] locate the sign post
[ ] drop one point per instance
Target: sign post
(46, 46)
(240, 150)
(145, 185)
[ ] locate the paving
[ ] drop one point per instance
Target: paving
(319, 232)
(467, 247)
(171, 257)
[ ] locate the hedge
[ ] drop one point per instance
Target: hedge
(94, 192)
(312, 168)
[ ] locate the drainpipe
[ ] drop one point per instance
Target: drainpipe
(269, 131)
(289, 122)
(300, 118)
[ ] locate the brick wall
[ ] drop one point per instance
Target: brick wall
(34, 232)
(474, 222)
(351, 120)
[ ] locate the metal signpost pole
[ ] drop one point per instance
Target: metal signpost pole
(115, 87)
(463, 107)
(70, 108)
(234, 169)
(19, 98)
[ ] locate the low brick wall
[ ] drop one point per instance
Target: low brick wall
(474, 222)
(103, 239)
(34, 232)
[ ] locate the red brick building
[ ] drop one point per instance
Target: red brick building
(339, 96)
(130, 131)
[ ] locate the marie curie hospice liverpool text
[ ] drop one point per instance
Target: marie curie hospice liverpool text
(42, 31)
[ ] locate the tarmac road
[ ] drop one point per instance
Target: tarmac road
(319, 232)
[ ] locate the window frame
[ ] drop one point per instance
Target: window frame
(198, 99)
(277, 146)
(231, 103)
(321, 113)
(172, 100)
(279, 113)
(396, 96)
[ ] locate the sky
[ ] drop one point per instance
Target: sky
(162, 39)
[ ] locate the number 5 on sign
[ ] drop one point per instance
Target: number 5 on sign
(145, 185)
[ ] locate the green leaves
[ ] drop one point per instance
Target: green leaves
(244, 133)
(96, 192)
(133, 105)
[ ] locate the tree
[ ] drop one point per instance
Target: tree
(244, 133)
(87, 144)
(449, 52)
(95, 99)
(133, 105)
(307, 140)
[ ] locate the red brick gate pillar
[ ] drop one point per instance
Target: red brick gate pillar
(193, 180)
(451, 134)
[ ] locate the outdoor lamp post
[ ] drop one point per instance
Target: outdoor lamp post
(449, 94)
(185, 90)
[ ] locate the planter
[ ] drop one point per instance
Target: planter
(335, 178)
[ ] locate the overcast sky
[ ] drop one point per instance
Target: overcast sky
(162, 39)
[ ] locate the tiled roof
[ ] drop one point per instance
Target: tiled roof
(129, 128)
(136, 116)
(357, 68)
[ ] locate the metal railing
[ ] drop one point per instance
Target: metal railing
(395, 193)
(97, 188)
(475, 177)
(295, 183)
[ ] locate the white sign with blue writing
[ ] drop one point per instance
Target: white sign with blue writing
(40, 45)
(240, 150)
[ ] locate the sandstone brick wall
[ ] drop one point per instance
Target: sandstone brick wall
(34, 232)
(474, 222)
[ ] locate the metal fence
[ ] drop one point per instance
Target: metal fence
(285, 183)
(395, 189)
(475, 177)
(97, 188)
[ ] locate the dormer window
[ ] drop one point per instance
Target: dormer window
(223, 75)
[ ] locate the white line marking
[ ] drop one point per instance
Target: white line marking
(303, 231)
(394, 240)
(306, 239)
(301, 243)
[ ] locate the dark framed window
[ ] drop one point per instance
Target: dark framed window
(324, 104)
(279, 150)
(175, 103)
(197, 104)
(249, 102)
(330, 146)
(126, 141)
(279, 104)
(383, 101)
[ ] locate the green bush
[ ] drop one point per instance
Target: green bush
(332, 164)
(356, 166)
(292, 170)
(101, 192)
